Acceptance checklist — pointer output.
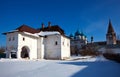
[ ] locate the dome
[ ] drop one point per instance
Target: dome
(71, 35)
(77, 33)
(85, 36)
(82, 34)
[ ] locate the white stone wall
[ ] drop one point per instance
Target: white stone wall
(30, 42)
(11, 43)
(52, 47)
(40, 48)
(117, 50)
(57, 47)
(111, 50)
(65, 47)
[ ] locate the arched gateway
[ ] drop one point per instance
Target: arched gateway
(25, 52)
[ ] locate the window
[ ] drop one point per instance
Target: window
(23, 39)
(63, 43)
(45, 36)
(13, 38)
(56, 43)
(9, 39)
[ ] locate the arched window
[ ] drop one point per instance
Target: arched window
(56, 43)
(23, 39)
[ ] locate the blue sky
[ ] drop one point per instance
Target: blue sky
(89, 16)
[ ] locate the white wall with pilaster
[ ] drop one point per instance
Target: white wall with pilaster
(52, 46)
(11, 43)
(65, 47)
(30, 42)
(40, 48)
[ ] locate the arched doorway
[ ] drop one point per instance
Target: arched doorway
(25, 52)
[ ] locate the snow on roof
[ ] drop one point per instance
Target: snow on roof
(48, 33)
(42, 33)
(10, 31)
(13, 30)
(35, 35)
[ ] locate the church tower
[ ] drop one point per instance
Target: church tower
(111, 35)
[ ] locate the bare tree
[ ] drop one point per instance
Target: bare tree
(2, 49)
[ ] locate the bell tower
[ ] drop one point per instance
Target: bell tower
(111, 35)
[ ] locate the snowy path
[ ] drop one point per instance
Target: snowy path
(56, 68)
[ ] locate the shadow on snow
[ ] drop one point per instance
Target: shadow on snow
(97, 69)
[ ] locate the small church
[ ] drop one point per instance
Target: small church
(44, 43)
(77, 41)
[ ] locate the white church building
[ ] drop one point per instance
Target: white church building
(45, 43)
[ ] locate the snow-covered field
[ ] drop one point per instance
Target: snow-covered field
(75, 67)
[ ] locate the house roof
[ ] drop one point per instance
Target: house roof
(24, 28)
(27, 29)
(53, 28)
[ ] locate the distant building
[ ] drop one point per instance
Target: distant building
(77, 40)
(111, 35)
(111, 45)
(47, 42)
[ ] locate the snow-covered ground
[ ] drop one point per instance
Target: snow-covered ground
(74, 67)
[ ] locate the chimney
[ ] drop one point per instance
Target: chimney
(42, 25)
(49, 24)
